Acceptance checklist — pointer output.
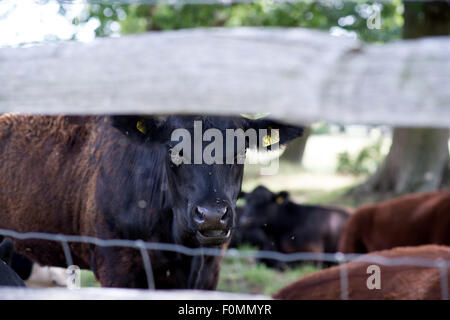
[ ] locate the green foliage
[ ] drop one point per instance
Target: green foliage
(365, 162)
(107, 15)
(346, 16)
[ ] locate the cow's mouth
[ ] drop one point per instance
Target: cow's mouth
(213, 237)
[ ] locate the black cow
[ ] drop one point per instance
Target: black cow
(116, 177)
(7, 275)
(271, 221)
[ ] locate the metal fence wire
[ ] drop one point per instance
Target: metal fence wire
(441, 264)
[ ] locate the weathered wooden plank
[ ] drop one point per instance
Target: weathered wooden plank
(12, 293)
(295, 74)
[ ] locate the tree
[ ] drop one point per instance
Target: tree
(418, 159)
(349, 16)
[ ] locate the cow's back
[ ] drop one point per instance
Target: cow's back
(311, 228)
(434, 216)
(335, 223)
(397, 282)
(388, 224)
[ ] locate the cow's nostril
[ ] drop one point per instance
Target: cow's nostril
(199, 214)
(225, 214)
(212, 217)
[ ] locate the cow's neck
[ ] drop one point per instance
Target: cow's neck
(131, 188)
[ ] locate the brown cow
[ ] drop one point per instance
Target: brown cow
(411, 220)
(396, 282)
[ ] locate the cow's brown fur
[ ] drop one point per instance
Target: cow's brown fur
(50, 168)
(397, 282)
(40, 158)
(410, 220)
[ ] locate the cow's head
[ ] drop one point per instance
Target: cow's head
(203, 195)
(260, 206)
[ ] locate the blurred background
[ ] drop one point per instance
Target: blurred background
(331, 164)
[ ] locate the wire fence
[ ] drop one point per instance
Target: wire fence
(441, 264)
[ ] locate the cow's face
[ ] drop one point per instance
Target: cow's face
(260, 205)
(203, 194)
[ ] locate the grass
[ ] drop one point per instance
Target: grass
(334, 197)
(304, 186)
(88, 279)
(248, 276)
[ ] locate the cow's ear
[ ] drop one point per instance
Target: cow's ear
(140, 128)
(285, 132)
(281, 197)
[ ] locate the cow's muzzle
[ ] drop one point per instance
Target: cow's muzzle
(213, 224)
(215, 237)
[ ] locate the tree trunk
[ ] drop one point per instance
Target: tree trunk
(416, 162)
(423, 19)
(295, 149)
(418, 159)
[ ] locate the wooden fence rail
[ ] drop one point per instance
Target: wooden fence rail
(297, 75)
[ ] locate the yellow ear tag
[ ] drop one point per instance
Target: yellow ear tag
(269, 140)
(141, 126)
(255, 116)
(279, 200)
